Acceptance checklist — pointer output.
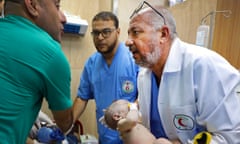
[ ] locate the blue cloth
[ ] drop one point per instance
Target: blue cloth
(106, 84)
(155, 120)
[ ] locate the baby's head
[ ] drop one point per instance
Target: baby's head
(116, 111)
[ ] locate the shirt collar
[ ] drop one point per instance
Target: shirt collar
(175, 58)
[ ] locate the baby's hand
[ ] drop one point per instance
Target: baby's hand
(125, 125)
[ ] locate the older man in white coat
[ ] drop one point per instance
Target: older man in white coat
(184, 89)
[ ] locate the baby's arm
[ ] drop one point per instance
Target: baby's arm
(133, 117)
(132, 132)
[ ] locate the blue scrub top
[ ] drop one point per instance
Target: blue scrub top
(106, 84)
(155, 119)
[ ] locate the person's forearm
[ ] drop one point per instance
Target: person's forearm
(78, 108)
(63, 119)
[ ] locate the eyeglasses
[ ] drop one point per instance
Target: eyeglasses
(141, 6)
(105, 32)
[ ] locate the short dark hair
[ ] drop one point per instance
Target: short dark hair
(106, 15)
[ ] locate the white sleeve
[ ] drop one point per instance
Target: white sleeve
(218, 103)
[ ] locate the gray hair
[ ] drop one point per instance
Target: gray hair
(157, 21)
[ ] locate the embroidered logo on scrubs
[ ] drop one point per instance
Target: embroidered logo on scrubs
(127, 86)
(183, 122)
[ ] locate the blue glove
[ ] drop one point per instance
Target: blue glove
(50, 134)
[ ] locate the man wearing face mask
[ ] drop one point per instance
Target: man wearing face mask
(32, 67)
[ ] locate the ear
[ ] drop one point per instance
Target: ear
(31, 6)
(165, 34)
(118, 31)
(116, 116)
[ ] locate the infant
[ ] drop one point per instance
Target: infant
(126, 114)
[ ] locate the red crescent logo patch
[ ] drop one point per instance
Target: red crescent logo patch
(183, 122)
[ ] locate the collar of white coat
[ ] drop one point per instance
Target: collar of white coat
(175, 58)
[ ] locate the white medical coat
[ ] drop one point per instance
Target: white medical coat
(196, 93)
